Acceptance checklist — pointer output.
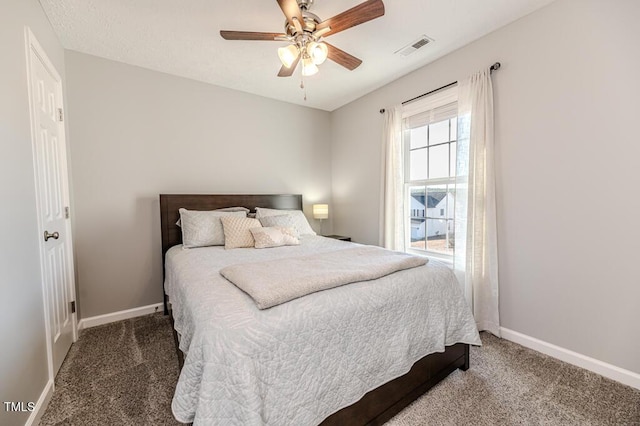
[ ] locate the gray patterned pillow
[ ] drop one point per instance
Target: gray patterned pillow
(203, 228)
(233, 209)
(226, 209)
(284, 221)
(299, 219)
(236, 231)
(275, 236)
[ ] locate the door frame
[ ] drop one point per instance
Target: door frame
(34, 51)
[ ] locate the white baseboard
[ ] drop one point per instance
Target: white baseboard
(41, 405)
(118, 316)
(618, 374)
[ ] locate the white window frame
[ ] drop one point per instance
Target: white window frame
(433, 101)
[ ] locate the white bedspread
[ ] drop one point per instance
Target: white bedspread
(299, 362)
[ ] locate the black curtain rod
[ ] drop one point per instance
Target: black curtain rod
(428, 93)
(492, 68)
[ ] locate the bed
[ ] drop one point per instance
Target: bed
(234, 368)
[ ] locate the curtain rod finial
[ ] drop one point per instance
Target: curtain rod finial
(495, 66)
(382, 111)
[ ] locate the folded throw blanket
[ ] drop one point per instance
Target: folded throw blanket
(277, 281)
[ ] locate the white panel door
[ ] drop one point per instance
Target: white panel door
(52, 188)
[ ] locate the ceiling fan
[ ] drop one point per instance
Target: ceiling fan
(305, 33)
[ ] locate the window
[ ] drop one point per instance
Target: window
(429, 137)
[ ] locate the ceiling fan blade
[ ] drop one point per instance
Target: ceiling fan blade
(364, 12)
(288, 72)
(341, 57)
(247, 35)
(291, 10)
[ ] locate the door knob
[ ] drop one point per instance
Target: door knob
(47, 235)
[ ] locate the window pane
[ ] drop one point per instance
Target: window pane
(436, 234)
(439, 132)
(439, 161)
(418, 137)
(417, 234)
(452, 151)
(418, 164)
(451, 236)
(451, 198)
(417, 214)
(440, 213)
(417, 208)
(454, 129)
(436, 200)
(440, 236)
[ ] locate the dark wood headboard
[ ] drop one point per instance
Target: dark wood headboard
(170, 203)
(169, 215)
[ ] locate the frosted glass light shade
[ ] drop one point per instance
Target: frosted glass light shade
(288, 55)
(320, 211)
(308, 67)
(318, 52)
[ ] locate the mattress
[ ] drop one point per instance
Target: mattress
(299, 362)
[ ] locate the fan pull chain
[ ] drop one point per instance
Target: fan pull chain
(303, 88)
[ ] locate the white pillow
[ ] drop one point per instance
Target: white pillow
(233, 209)
(300, 222)
(226, 209)
(283, 221)
(236, 231)
(274, 236)
(203, 228)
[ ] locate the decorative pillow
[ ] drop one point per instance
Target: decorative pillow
(233, 209)
(203, 228)
(226, 209)
(236, 231)
(284, 221)
(300, 222)
(274, 236)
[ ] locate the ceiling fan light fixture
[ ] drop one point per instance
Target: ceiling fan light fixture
(308, 67)
(288, 55)
(305, 32)
(318, 52)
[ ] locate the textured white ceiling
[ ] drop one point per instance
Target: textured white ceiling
(182, 38)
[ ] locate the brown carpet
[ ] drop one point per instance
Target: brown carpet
(508, 384)
(125, 373)
(122, 373)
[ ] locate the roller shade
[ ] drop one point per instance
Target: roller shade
(435, 115)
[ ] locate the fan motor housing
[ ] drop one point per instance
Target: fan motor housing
(305, 4)
(309, 25)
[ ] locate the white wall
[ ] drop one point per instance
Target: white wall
(23, 359)
(566, 103)
(137, 133)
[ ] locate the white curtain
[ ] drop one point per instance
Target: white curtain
(476, 249)
(392, 231)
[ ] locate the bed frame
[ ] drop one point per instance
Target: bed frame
(375, 407)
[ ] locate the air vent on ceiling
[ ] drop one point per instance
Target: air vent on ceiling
(414, 46)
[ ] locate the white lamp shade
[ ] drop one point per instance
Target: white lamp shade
(318, 52)
(320, 211)
(308, 67)
(309, 70)
(288, 55)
